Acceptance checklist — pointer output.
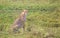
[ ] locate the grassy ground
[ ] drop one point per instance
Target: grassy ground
(43, 19)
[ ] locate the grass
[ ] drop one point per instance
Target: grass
(43, 18)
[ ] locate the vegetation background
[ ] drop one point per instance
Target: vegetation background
(43, 19)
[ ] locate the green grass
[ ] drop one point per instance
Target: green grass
(43, 17)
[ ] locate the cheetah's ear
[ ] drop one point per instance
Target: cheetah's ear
(26, 11)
